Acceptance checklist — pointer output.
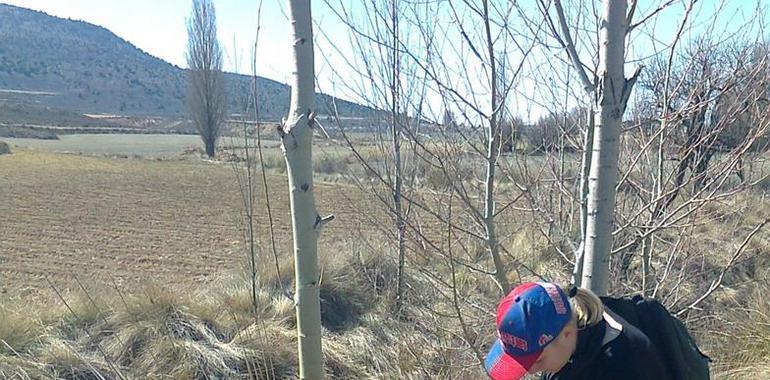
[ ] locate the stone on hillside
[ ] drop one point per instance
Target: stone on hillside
(4, 148)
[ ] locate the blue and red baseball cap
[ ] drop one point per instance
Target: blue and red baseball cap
(529, 318)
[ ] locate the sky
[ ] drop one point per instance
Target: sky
(158, 28)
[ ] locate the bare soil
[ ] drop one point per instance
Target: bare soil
(134, 220)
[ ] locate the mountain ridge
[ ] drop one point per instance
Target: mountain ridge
(79, 66)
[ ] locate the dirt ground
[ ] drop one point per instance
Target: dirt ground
(129, 221)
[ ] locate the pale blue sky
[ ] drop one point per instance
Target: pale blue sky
(158, 27)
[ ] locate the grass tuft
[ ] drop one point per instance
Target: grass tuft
(744, 348)
(18, 332)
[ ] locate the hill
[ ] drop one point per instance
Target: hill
(77, 66)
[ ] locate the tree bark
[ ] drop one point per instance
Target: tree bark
(585, 172)
(604, 163)
(296, 138)
(210, 147)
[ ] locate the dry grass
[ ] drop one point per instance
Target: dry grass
(167, 233)
(156, 227)
(211, 332)
(18, 332)
(743, 337)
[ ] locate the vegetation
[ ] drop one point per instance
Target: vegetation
(129, 267)
(171, 327)
(745, 346)
(27, 133)
(25, 114)
(212, 332)
(206, 103)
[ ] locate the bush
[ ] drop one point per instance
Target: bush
(329, 164)
(4, 148)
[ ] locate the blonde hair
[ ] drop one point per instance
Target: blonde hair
(587, 308)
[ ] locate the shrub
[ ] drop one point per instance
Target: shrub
(329, 164)
(4, 148)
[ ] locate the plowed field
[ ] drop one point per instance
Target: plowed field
(133, 220)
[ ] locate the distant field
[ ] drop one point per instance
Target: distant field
(150, 146)
(131, 220)
(25, 92)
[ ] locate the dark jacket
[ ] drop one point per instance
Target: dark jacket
(629, 356)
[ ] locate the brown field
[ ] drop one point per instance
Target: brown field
(133, 220)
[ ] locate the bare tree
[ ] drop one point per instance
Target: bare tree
(610, 91)
(205, 92)
(472, 74)
(699, 119)
(405, 53)
(613, 94)
(395, 111)
(377, 45)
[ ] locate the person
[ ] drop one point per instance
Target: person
(542, 329)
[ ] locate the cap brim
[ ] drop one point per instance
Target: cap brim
(501, 366)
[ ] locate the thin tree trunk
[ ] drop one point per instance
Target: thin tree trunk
(604, 164)
(588, 142)
(493, 152)
(396, 132)
(250, 218)
(647, 278)
(296, 139)
(210, 147)
(585, 171)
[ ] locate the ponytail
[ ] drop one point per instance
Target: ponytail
(587, 308)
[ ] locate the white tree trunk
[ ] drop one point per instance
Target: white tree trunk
(296, 138)
(585, 172)
(612, 93)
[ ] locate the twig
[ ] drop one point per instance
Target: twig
(455, 297)
(718, 282)
(93, 303)
(120, 292)
(286, 292)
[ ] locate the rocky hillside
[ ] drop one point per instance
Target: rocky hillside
(77, 66)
